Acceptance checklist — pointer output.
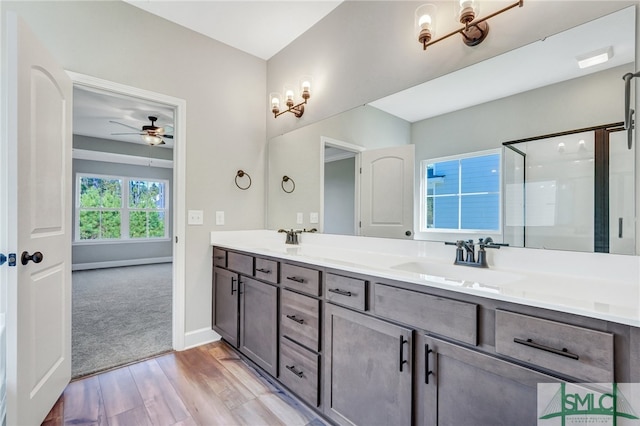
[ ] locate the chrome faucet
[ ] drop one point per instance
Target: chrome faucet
(292, 236)
(469, 247)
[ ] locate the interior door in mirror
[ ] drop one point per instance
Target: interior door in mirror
(386, 196)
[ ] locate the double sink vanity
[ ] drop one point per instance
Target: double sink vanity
(371, 331)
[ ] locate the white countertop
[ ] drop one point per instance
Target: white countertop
(595, 285)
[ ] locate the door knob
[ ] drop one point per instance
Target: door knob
(35, 257)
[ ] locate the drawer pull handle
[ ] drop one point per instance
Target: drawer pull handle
(427, 371)
(340, 292)
(563, 352)
(296, 279)
(219, 257)
(264, 271)
(402, 360)
(293, 369)
(293, 318)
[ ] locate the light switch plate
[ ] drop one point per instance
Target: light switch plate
(195, 217)
(220, 218)
(300, 218)
(313, 217)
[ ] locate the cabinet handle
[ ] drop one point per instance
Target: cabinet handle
(293, 369)
(240, 286)
(264, 271)
(340, 292)
(563, 352)
(427, 371)
(233, 281)
(293, 318)
(296, 279)
(219, 257)
(402, 360)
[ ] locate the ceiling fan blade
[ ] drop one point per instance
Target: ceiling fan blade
(125, 125)
(132, 133)
(168, 136)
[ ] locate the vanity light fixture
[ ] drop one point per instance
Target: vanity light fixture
(473, 32)
(596, 57)
(276, 100)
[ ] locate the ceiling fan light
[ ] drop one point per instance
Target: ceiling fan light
(152, 140)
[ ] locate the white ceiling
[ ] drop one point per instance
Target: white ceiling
(94, 110)
(261, 28)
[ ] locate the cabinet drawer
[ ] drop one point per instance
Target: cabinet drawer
(241, 263)
(346, 291)
(219, 257)
(299, 371)
(267, 270)
(300, 319)
(446, 317)
(302, 279)
(578, 352)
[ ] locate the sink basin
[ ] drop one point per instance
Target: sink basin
(459, 273)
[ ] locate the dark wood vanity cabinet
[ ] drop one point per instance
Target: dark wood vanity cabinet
(368, 369)
(224, 316)
(363, 350)
(259, 323)
(459, 386)
(245, 309)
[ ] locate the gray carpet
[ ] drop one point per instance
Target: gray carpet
(120, 315)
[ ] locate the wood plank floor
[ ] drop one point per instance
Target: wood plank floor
(207, 385)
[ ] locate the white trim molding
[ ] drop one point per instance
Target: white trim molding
(200, 337)
(119, 263)
(111, 157)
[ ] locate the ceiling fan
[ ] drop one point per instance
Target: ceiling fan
(151, 134)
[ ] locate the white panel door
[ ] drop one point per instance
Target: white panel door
(387, 192)
(38, 119)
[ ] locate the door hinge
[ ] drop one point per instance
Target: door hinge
(11, 259)
(360, 224)
(176, 239)
(360, 170)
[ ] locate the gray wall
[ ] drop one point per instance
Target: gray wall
(222, 87)
(339, 196)
(89, 253)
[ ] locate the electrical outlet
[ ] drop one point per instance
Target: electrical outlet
(195, 217)
(313, 217)
(300, 218)
(220, 218)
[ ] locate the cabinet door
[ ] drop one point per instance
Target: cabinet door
(466, 387)
(259, 323)
(368, 373)
(225, 305)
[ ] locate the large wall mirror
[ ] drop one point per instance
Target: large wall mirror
(525, 93)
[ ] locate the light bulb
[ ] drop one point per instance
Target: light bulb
(425, 22)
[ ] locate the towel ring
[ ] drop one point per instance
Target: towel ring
(288, 179)
(242, 174)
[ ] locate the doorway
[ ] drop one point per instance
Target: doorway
(340, 187)
(145, 167)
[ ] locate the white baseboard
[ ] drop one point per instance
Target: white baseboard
(119, 263)
(200, 337)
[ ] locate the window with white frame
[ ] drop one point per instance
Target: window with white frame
(461, 193)
(118, 208)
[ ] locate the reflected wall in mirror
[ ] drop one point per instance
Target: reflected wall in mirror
(535, 90)
(568, 191)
